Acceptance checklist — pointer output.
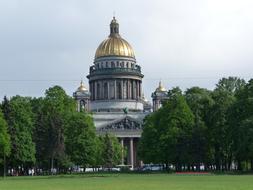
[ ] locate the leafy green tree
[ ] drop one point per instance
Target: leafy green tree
(220, 130)
(231, 84)
(111, 151)
(5, 106)
(19, 117)
(41, 132)
(99, 151)
(57, 106)
(175, 129)
(241, 122)
(200, 101)
(81, 139)
(171, 126)
(4, 142)
(148, 148)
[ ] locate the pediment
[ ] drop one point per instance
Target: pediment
(123, 124)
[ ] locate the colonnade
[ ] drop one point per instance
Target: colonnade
(115, 89)
(131, 158)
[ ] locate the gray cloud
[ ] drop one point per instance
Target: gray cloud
(182, 42)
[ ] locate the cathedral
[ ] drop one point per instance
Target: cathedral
(115, 95)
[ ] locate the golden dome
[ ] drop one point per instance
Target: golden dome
(114, 45)
(160, 88)
(82, 88)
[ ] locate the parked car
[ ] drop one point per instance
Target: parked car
(152, 167)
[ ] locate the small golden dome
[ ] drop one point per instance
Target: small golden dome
(114, 45)
(82, 88)
(160, 88)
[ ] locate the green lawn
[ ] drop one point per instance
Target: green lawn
(130, 182)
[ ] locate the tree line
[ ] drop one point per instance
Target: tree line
(48, 135)
(202, 129)
(198, 128)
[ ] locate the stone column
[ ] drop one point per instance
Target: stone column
(108, 92)
(134, 89)
(127, 88)
(131, 90)
(122, 151)
(140, 93)
(95, 90)
(101, 95)
(115, 89)
(122, 89)
(137, 90)
(102, 91)
(132, 153)
(90, 89)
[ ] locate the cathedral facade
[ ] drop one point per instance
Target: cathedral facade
(115, 94)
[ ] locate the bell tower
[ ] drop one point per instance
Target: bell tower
(160, 95)
(82, 97)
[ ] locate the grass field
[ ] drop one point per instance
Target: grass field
(130, 182)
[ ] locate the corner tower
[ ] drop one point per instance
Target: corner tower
(115, 79)
(82, 97)
(160, 95)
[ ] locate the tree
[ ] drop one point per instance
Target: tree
(4, 141)
(241, 122)
(230, 84)
(81, 139)
(41, 133)
(111, 151)
(200, 101)
(148, 148)
(219, 129)
(57, 105)
(171, 126)
(6, 109)
(19, 117)
(175, 130)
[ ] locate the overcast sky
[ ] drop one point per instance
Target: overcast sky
(184, 43)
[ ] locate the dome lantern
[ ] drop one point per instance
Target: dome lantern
(114, 28)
